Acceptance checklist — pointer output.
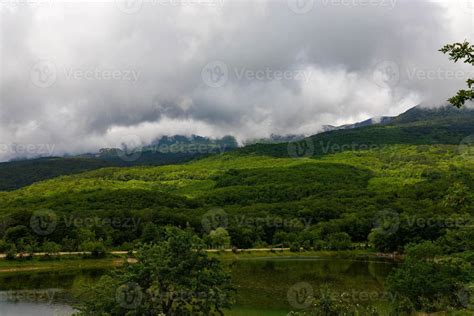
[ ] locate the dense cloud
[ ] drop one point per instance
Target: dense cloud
(78, 76)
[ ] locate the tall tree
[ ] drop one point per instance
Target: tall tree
(172, 277)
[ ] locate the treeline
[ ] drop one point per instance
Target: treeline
(384, 199)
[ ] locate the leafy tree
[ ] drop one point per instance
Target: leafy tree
(96, 248)
(424, 284)
(172, 277)
(339, 241)
(150, 233)
(461, 51)
(426, 250)
(17, 233)
(51, 248)
(458, 240)
(219, 238)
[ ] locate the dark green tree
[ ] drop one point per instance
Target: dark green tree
(427, 283)
(172, 277)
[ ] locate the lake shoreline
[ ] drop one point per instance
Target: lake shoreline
(115, 259)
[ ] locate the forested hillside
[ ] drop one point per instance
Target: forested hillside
(389, 196)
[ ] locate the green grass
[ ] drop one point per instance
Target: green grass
(63, 264)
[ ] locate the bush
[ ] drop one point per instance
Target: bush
(428, 286)
(96, 248)
(339, 241)
(295, 247)
(11, 252)
(51, 248)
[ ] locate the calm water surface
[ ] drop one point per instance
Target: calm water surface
(262, 285)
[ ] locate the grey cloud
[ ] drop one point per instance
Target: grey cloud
(92, 102)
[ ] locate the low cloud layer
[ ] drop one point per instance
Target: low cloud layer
(79, 76)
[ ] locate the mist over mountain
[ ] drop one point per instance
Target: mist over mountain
(419, 125)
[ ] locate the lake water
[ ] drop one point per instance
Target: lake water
(265, 286)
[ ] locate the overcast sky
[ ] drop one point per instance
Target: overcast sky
(78, 76)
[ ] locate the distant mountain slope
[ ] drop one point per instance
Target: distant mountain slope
(417, 126)
(446, 125)
(17, 174)
(166, 150)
